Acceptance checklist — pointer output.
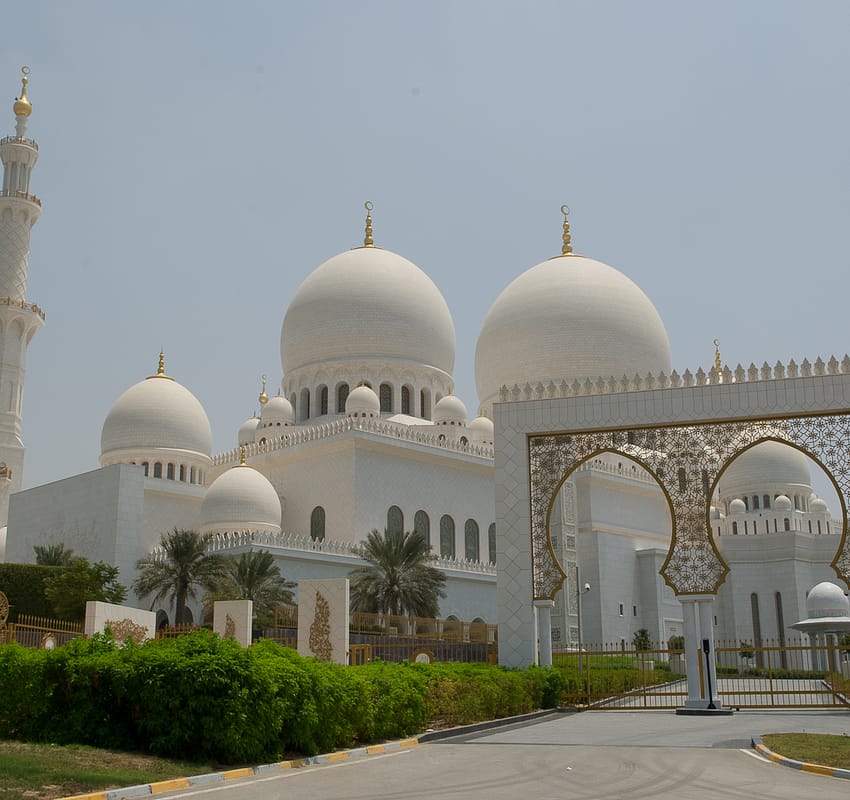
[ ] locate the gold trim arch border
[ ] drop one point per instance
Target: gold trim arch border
(687, 461)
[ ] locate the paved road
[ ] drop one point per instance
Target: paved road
(618, 754)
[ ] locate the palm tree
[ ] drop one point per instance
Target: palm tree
(254, 576)
(53, 555)
(399, 578)
(174, 573)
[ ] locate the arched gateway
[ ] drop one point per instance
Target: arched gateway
(686, 430)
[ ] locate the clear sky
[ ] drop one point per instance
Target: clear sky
(200, 159)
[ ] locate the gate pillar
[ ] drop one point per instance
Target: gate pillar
(544, 631)
(698, 614)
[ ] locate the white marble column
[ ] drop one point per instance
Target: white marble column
(697, 610)
(544, 631)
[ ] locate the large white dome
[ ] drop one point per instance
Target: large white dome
(569, 318)
(366, 304)
(240, 499)
(156, 413)
(766, 465)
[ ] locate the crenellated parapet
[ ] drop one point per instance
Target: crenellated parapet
(637, 383)
(293, 436)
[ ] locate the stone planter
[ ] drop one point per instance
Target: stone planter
(643, 664)
(677, 663)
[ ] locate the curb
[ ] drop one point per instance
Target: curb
(158, 787)
(461, 730)
(803, 766)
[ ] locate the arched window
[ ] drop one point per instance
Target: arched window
(819, 530)
(157, 470)
(766, 501)
(323, 400)
(405, 400)
(183, 473)
(305, 404)
(464, 441)
(447, 536)
(422, 525)
(386, 395)
(786, 523)
(756, 502)
(169, 472)
(734, 528)
(424, 404)
(191, 475)
(317, 524)
(146, 467)
(491, 542)
(395, 520)
(470, 541)
(341, 397)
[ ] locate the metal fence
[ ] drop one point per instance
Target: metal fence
(771, 674)
(42, 632)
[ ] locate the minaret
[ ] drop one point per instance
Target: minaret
(19, 320)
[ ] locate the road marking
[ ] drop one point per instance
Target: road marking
(754, 755)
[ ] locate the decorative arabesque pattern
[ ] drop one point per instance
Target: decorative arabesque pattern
(686, 461)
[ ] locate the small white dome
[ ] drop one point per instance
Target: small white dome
(569, 318)
(482, 430)
(450, 410)
(240, 499)
(277, 410)
(827, 600)
(767, 464)
(247, 430)
(714, 513)
(156, 413)
(818, 505)
(783, 503)
(737, 506)
(362, 402)
(368, 303)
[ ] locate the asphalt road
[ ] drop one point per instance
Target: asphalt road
(612, 754)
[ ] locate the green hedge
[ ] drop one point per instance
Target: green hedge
(204, 698)
(23, 584)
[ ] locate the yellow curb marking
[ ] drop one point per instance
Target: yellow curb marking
(818, 769)
(92, 796)
(375, 749)
(232, 774)
(167, 786)
(405, 743)
(335, 757)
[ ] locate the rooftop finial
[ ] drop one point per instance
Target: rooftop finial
(242, 456)
(160, 370)
(368, 241)
(263, 398)
(718, 364)
(23, 107)
(566, 247)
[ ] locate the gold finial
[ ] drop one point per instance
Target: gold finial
(160, 370)
(23, 107)
(718, 364)
(566, 247)
(263, 398)
(368, 241)
(242, 456)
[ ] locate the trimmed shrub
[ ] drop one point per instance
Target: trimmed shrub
(23, 584)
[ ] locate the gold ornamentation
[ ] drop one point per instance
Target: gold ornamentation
(320, 630)
(368, 241)
(242, 462)
(718, 364)
(687, 462)
(4, 615)
(23, 107)
(263, 398)
(566, 246)
(123, 629)
(160, 370)
(229, 627)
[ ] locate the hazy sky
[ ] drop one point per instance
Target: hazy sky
(199, 160)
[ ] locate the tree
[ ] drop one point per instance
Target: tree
(399, 578)
(53, 555)
(254, 576)
(174, 574)
(641, 640)
(74, 585)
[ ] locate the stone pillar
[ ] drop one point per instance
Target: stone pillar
(323, 612)
(233, 619)
(697, 611)
(544, 631)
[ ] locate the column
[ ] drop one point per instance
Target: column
(544, 631)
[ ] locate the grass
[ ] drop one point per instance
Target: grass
(826, 749)
(44, 771)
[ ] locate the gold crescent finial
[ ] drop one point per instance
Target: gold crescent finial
(368, 241)
(566, 246)
(160, 370)
(718, 364)
(242, 456)
(263, 398)
(23, 107)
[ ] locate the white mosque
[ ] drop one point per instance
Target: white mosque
(365, 433)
